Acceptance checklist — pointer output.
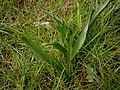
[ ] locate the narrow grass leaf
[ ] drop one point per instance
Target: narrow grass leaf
(5, 32)
(58, 20)
(82, 36)
(98, 12)
(91, 73)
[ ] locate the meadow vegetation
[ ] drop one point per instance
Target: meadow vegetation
(77, 49)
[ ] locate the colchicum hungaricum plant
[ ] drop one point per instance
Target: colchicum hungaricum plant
(70, 44)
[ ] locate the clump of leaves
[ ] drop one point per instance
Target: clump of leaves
(70, 44)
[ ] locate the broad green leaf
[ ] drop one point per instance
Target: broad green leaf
(38, 51)
(80, 41)
(60, 48)
(98, 12)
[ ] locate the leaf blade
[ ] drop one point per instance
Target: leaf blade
(40, 53)
(98, 12)
(81, 39)
(61, 26)
(60, 48)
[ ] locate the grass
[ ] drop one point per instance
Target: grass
(94, 66)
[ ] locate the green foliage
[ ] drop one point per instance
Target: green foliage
(81, 49)
(68, 49)
(98, 11)
(37, 50)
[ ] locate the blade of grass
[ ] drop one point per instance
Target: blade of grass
(2, 31)
(98, 12)
(58, 20)
(91, 20)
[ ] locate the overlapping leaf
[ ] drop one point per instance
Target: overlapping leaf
(60, 48)
(40, 53)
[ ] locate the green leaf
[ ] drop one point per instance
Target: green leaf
(98, 12)
(61, 26)
(60, 48)
(38, 51)
(80, 41)
(63, 30)
(91, 20)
